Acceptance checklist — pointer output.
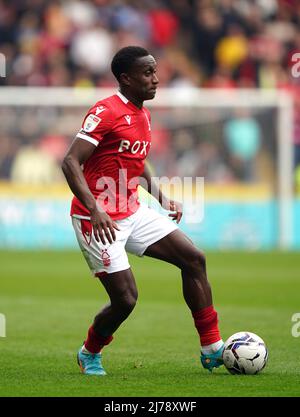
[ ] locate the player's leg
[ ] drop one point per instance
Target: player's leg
(110, 264)
(177, 249)
(122, 292)
(121, 289)
(156, 236)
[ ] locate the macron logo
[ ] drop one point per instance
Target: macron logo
(99, 110)
(128, 119)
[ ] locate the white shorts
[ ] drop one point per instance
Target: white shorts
(137, 232)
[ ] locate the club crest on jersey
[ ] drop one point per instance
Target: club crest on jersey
(105, 257)
(91, 122)
(128, 119)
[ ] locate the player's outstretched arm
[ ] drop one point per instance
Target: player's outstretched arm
(79, 152)
(165, 202)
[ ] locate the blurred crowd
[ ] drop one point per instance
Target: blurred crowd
(197, 43)
(203, 43)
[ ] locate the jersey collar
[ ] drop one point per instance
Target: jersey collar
(123, 98)
(128, 102)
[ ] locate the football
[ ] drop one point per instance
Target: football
(245, 353)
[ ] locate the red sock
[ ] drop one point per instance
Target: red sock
(206, 323)
(95, 342)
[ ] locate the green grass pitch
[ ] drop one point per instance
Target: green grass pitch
(49, 300)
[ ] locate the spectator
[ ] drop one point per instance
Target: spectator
(33, 166)
(243, 139)
(8, 149)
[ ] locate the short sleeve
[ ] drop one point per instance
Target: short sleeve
(96, 124)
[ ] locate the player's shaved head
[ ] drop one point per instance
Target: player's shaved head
(125, 58)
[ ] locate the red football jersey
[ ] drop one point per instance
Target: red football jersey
(121, 134)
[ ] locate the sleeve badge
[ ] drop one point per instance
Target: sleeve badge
(91, 122)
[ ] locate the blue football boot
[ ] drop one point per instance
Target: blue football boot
(90, 363)
(212, 360)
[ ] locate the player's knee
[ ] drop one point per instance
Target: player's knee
(127, 303)
(197, 261)
(200, 260)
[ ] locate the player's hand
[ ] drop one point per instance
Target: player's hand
(174, 206)
(103, 226)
